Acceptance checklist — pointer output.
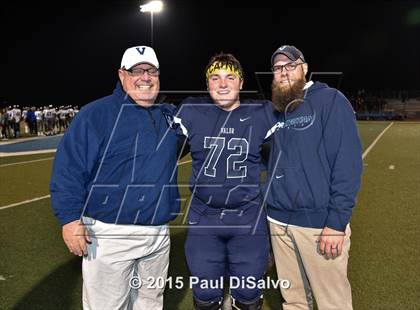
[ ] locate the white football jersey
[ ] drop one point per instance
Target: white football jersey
(38, 115)
(17, 114)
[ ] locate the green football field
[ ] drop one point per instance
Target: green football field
(37, 271)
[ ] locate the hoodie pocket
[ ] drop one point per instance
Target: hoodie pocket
(291, 190)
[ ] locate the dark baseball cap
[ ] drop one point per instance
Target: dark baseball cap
(289, 51)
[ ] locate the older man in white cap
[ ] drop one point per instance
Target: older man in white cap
(113, 189)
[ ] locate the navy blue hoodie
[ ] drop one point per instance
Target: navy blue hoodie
(117, 163)
(315, 163)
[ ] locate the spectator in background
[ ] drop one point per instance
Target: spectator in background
(10, 122)
(17, 117)
(3, 121)
(39, 122)
(31, 121)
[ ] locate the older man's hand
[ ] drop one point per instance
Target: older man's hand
(76, 237)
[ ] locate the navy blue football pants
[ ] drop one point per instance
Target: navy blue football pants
(232, 244)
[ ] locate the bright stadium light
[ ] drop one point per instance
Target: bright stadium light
(152, 7)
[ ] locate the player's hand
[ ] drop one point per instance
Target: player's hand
(331, 242)
(76, 237)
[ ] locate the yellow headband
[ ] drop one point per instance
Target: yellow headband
(217, 66)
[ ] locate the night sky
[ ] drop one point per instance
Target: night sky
(69, 53)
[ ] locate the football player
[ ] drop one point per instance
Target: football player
(227, 235)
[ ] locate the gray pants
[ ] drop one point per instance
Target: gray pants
(126, 267)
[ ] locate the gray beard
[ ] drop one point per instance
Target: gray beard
(287, 100)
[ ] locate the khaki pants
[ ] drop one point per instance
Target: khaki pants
(116, 254)
(310, 274)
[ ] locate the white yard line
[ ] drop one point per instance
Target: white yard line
(184, 162)
(26, 162)
(376, 141)
(4, 154)
(24, 202)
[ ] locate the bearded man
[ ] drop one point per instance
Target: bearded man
(315, 169)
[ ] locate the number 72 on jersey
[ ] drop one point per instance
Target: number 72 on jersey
(234, 169)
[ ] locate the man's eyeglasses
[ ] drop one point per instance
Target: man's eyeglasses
(152, 71)
(289, 67)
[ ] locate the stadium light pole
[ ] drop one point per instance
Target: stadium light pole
(152, 7)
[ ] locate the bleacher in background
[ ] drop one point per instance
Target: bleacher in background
(389, 105)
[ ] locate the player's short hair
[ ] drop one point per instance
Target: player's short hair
(223, 60)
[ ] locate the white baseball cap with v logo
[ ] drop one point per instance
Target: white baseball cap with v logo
(139, 54)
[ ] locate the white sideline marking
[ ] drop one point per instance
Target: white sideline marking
(24, 202)
(376, 141)
(391, 167)
(26, 162)
(4, 154)
(184, 162)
